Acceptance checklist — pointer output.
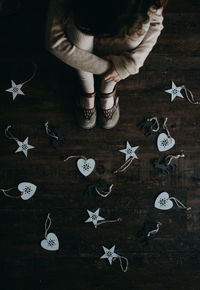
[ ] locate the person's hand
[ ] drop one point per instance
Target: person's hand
(111, 74)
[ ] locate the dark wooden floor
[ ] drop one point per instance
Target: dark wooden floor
(172, 260)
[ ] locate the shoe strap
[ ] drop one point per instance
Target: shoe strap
(87, 113)
(89, 95)
(109, 95)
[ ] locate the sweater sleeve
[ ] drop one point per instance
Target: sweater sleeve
(59, 45)
(129, 62)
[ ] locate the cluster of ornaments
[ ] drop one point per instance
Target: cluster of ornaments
(87, 165)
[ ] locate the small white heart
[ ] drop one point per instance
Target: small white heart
(163, 202)
(27, 189)
(51, 243)
(165, 143)
(86, 166)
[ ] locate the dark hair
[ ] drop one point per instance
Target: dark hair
(107, 18)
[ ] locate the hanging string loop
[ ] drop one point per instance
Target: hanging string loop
(166, 128)
(190, 96)
(174, 157)
(153, 232)
(124, 268)
(49, 132)
(104, 193)
(155, 119)
(124, 166)
(108, 221)
(9, 195)
(47, 225)
(179, 204)
(74, 156)
(9, 135)
(32, 76)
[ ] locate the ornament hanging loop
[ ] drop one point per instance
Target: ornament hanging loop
(49, 132)
(124, 268)
(174, 157)
(108, 221)
(47, 225)
(165, 127)
(74, 156)
(10, 135)
(153, 232)
(191, 97)
(105, 193)
(9, 195)
(179, 204)
(124, 166)
(155, 119)
(33, 74)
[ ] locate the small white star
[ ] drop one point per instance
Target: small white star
(94, 217)
(129, 151)
(175, 92)
(15, 90)
(109, 254)
(24, 146)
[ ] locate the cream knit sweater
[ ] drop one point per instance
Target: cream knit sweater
(127, 54)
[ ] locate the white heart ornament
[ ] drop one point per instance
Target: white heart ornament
(163, 201)
(27, 189)
(86, 166)
(51, 242)
(165, 143)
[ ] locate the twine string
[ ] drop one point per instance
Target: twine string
(191, 97)
(108, 221)
(47, 225)
(165, 127)
(9, 195)
(124, 166)
(124, 269)
(33, 74)
(156, 123)
(74, 156)
(105, 193)
(172, 157)
(10, 135)
(153, 232)
(49, 132)
(180, 204)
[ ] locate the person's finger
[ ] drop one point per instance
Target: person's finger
(108, 73)
(107, 77)
(117, 80)
(113, 78)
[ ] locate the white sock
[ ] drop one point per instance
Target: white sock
(87, 81)
(87, 103)
(106, 88)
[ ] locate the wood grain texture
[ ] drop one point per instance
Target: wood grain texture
(172, 260)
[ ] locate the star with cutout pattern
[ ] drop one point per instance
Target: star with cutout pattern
(109, 254)
(15, 89)
(175, 92)
(94, 217)
(24, 147)
(129, 151)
